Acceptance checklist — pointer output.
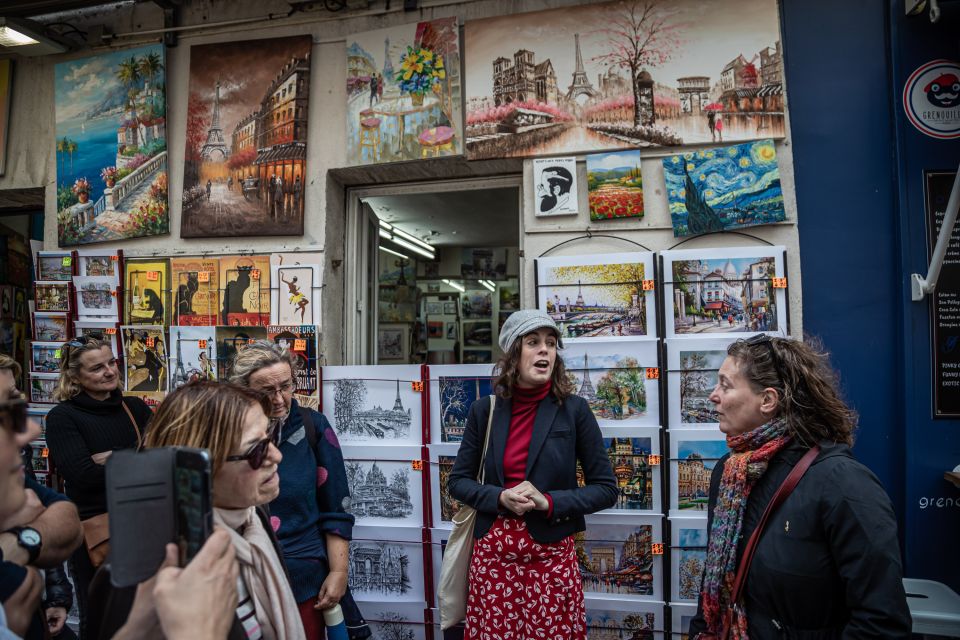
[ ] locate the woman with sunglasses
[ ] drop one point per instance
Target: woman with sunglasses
(826, 563)
(232, 423)
(92, 421)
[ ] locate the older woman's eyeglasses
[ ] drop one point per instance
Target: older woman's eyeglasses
(13, 415)
(257, 454)
(766, 339)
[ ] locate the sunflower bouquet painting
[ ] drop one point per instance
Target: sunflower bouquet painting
(420, 71)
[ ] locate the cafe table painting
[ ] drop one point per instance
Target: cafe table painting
(404, 93)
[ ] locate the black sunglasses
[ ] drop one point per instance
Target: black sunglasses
(80, 341)
(766, 339)
(257, 454)
(13, 416)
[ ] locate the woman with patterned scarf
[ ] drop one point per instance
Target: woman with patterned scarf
(827, 561)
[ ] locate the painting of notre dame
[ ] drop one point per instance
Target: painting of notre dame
(246, 147)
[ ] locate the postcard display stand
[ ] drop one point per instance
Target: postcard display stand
(644, 336)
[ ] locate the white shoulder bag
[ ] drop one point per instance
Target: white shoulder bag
(455, 569)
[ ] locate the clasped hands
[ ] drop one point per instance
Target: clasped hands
(523, 498)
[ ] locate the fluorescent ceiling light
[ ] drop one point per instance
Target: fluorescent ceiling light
(487, 285)
(411, 238)
(10, 37)
(456, 286)
(412, 247)
(385, 225)
(396, 253)
(28, 38)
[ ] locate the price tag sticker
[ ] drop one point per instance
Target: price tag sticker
(153, 276)
(45, 453)
(67, 261)
(417, 385)
(779, 283)
(111, 331)
(203, 276)
(300, 344)
(150, 342)
(656, 548)
(649, 285)
(417, 465)
(255, 274)
(250, 340)
(653, 460)
(56, 354)
(113, 293)
(202, 344)
(114, 258)
(653, 373)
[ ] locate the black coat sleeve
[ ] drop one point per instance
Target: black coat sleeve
(59, 591)
(462, 482)
(600, 485)
(861, 530)
(698, 624)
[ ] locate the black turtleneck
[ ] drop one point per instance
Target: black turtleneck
(82, 426)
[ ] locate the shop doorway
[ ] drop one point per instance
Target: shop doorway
(438, 271)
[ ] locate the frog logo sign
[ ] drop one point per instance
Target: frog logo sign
(931, 99)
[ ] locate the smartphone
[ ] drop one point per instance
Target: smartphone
(194, 508)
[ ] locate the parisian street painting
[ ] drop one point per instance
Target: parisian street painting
(403, 93)
(373, 405)
(724, 291)
(629, 457)
(692, 376)
(614, 382)
(598, 295)
(616, 558)
(193, 355)
(689, 557)
(724, 188)
(624, 74)
(695, 454)
(246, 147)
(111, 146)
(385, 491)
(609, 619)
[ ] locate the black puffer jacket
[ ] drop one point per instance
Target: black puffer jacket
(828, 564)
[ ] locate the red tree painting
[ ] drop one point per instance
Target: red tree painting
(198, 119)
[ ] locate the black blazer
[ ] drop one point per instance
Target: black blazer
(562, 434)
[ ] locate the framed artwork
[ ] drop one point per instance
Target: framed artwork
(477, 305)
(92, 262)
(231, 340)
(45, 357)
(443, 505)
(483, 356)
(387, 570)
(611, 618)
(393, 342)
(384, 488)
(509, 298)
(54, 265)
(373, 404)
(245, 290)
(39, 415)
(682, 614)
(145, 359)
(193, 355)
(450, 308)
(555, 186)
(724, 188)
(302, 341)
(615, 185)
(111, 145)
(614, 380)
(453, 389)
(616, 557)
(451, 331)
(43, 386)
(147, 291)
(196, 290)
(435, 329)
(477, 334)
(688, 557)
(484, 262)
(727, 290)
(403, 93)
(629, 450)
(51, 296)
(622, 75)
(433, 307)
(297, 294)
(6, 94)
(107, 330)
(244, 169)
(692, 368)
(598, 295)
(6, 302)
(51, 327)
(96, 297)
(693, 455)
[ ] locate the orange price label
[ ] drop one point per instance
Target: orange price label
(113, 293)
(417, 465)
(114, 258)
(653, 373)
(656, 548)
(300, 344)
(111, 331)
(67, 261)
(416, 385)
(653, 460)
(153, 276)
(202, 344)
(150, 343)
(203, 276)
(45, 453)
(255, 274)
(250, 340)
(779, 283)
(56, 354)
(649, 285)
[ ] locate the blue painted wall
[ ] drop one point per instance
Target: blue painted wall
(859, 169)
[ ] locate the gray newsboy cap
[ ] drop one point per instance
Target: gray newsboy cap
(525, 321)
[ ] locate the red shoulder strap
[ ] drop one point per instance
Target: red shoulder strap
(789, 484)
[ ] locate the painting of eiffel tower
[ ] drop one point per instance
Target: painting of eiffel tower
(215, 149)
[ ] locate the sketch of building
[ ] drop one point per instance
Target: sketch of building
(372, 496)
(378, 567)
(523, 81)
(380, 423)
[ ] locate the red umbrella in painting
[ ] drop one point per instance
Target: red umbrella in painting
(713, 106)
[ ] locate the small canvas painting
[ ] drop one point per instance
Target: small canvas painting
(144, 358)
(609, 619)
(45, 357)
(373, 404)
(193, 355)
(54, 265)
(147, 291)
(98, 263)
(615, 185)
(52, 296)
(384, 491)
(689, 557)
(297, 298)
(393, 342)
(555, 186)
(457, 395)
(692, 374)
(629, 457)
(724, 188)
(693, 456)
(52, 327)
(43, 386)
(96, 296)
(387, 570)
(233, 339)
(616, 558)
(615, 384)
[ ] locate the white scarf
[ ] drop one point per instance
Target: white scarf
(263, 574)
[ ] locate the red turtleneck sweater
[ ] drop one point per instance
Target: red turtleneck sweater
(523, 413)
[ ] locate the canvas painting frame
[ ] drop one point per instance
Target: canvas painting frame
(193, 355)
(403, 541)
(195, 291)
(555, 186)
(245, 290)
(393, 342)
(615, 185)
(146, 291)
(45, 357)
(94, 262)
(51, 326)
(42, 387)
(233, 339)
(607, 617)
(52, 296)
(630, 448)
(54, 265)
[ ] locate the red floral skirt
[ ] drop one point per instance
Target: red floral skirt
(521, 589)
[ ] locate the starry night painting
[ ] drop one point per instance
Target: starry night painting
(724, 188)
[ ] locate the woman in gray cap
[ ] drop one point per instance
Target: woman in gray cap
(524, 579)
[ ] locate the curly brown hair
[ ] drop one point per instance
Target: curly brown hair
(810, 399)
(506, 374)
